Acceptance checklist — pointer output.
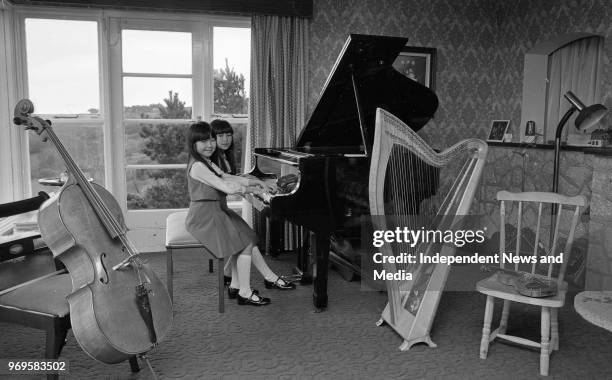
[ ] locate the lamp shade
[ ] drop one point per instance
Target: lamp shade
(586, 120)
(590, 116)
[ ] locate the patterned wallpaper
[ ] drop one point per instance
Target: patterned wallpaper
(525, 23)
(464, 33)
(480, 49)
(481, 46)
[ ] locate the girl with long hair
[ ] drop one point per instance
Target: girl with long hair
(218, 228)
(225, 159)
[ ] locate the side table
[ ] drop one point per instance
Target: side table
(595, 307)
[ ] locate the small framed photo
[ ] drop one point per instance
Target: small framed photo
(498, 130)
(530, 132)
(418, 64)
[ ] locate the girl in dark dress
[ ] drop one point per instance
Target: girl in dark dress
(211, 222)
(224, 158)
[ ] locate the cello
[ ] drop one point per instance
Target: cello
(118, 307)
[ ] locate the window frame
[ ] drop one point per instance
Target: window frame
(535, 82)
(111, 97)
(230, 118)
(20, 14)
(202, 28)
(11, 139)
(203, 96)
(60, 120)
(117, 25)
(237, 205)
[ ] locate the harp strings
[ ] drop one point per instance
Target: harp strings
(410, 178)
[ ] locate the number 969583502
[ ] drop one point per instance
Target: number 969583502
(32, 366)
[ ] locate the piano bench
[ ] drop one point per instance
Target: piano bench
(177, 237)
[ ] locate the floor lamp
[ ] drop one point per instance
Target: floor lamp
(586, 120)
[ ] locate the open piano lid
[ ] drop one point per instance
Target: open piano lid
(334, 123)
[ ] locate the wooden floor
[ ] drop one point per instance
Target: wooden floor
(288, 340)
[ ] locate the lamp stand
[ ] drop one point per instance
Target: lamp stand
(560, 126)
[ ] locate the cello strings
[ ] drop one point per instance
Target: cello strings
(76, 171)
(101, 210)
(97, 203)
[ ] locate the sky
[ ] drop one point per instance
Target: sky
(62, 59)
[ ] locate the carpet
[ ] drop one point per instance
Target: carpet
(287, 340)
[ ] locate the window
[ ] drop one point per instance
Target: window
(157, 109)
(63, 83)
(231, 60)
(121, 88)
(165, 89)
(540, 84)
(574, 67)
(121, 91)
(231, 81)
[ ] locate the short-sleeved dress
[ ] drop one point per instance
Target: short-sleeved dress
(212, 223)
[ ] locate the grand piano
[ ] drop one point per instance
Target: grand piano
(331, 158)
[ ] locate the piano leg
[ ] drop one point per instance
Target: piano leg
(303, 269)
(268, 226)
(319, 296)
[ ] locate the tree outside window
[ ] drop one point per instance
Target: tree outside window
(165, 143)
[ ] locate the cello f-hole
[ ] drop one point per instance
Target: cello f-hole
(101, 269)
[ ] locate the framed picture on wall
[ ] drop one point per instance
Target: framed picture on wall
(498, 130)
(418, 64)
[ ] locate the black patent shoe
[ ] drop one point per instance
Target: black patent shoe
(227, 280)
(233, 292)
(259, 301)
(280, 283)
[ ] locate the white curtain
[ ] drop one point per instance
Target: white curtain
(575, 67)
(279, 68)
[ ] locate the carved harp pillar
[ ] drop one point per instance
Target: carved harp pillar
(413, 186)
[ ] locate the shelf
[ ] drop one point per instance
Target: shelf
(584, 149)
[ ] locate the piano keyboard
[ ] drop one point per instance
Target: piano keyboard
(294, 153)
(259, 201)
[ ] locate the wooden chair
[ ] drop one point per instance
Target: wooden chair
(177, 237)
(493, 288)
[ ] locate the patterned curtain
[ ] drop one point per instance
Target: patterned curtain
(575, 67)
(279, 67)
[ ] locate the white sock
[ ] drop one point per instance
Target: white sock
(262, 266)
(227, 269)
(234, 272)
(244, 273)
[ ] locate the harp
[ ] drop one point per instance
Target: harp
(402, 168)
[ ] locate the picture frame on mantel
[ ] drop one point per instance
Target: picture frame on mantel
(418, 64)
(498, 129)
(530, 135)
